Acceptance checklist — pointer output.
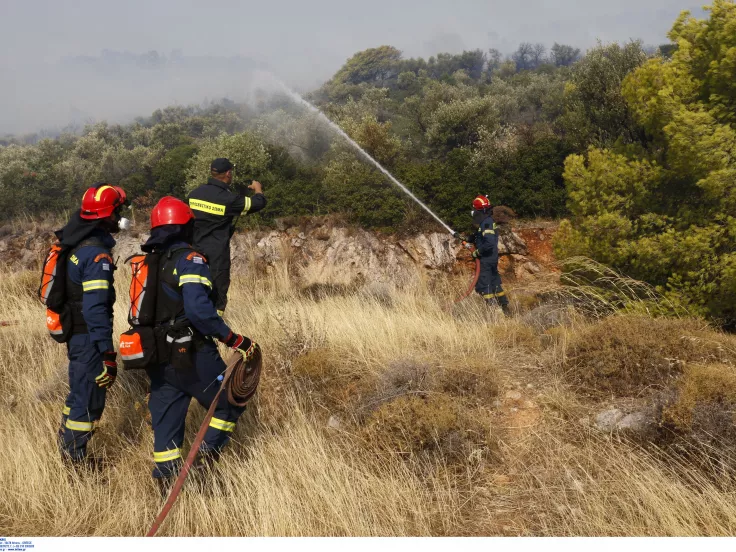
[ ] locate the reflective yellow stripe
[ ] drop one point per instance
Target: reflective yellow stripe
(167, 455)
(89, 285)
(220, 313)
(222, 425)
(101, 189)
(207, 207)
(79, 426)
(194, 279)
(492, 295)
(66, 410)
(488, 232)
(247, 205)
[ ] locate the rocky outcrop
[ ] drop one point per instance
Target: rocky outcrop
(327, 254)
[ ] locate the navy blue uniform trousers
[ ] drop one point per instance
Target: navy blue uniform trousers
(85, 402)
(489, 282)
(171, 393)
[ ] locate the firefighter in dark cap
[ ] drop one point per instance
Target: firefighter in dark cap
(217, 209)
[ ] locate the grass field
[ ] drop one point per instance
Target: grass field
(381, 412)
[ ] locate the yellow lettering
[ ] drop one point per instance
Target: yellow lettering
(207, 207)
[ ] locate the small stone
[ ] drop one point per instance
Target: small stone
(12, 401)
(585, 421)
(513, 395)
(532, 267)
(334, 422)
(607, 420)
(528, 404)
(529, 386)
(636, 421)
(514, 410)
(497, 404)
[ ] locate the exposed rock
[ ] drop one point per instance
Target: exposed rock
(321, 254)
(636, 422)
(334, 422)
(607, 420)
(512, 395)
(531, 267)
(615, 420)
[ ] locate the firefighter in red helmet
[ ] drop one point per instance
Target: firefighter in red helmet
(485, 239)
(185, 310)
(89, 296)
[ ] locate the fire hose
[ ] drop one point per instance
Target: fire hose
(240, 381)
(474, 281)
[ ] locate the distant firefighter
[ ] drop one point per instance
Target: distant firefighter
(485, 240)
(77, 288)
(217, 210)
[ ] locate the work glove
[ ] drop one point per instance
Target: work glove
(244, 344)
(109, 370)
(476, 254)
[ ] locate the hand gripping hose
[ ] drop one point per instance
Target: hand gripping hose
(240, 381)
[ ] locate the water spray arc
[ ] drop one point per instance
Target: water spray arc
(298, 99)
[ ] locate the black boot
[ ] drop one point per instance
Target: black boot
(164, 484)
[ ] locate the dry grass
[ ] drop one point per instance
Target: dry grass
(380, 413)
(625, 355)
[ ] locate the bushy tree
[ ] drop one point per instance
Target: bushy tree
(564, 55)
(244, 150)
(665, 210)
(370, 66)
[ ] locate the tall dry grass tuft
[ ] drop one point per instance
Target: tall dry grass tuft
(381, 412)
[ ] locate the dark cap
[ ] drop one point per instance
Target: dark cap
(221, 165)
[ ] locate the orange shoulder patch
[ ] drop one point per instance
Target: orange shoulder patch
(194, 254)
(103, 256)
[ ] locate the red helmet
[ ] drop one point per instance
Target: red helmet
(100, 201)
(170, 210)
(481, 202)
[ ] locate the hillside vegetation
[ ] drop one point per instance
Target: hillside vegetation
(449, 127)
(383, 413)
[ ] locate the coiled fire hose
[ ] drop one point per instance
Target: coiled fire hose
(241, 381)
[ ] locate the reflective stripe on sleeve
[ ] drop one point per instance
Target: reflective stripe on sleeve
(247, 205)
(90, 285)
(194, 279)
(489, 231)
(66, 410)
(207, 207)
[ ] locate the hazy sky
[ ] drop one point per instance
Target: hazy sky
(305, 41)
